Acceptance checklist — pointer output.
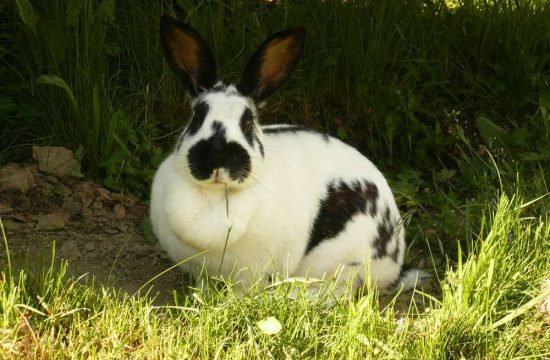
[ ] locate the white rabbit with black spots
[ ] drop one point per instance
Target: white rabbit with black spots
(299, 202)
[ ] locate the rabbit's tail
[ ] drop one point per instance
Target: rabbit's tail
(411, 278)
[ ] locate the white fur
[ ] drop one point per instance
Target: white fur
(272, 212)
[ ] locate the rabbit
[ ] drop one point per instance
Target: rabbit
(236, 198)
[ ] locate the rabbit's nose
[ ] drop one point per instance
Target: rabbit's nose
(217, 144)
(219, 157)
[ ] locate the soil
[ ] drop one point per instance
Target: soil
(99, 233)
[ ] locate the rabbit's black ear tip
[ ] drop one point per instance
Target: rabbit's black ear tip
(166, 18)
(298, 32)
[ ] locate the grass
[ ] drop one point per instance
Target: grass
(488, 307)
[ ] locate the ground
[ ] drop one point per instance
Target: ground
(99, 233)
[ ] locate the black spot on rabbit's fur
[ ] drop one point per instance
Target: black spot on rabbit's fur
(386, 231)
(215, 152)
(395, 254)
(246, 123)
(260, 145)
(293, 129)
(199, 113)
(341, 203)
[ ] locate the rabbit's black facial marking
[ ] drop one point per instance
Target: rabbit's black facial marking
(341, 203)
(260, 145)
(386, 230)
(216, 152)
(238, 162)
(199, 113)
(293, 129)
(246, 123)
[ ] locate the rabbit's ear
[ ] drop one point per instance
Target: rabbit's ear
(272, 63)
(188, 55)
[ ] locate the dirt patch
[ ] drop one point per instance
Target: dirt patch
(98, 232)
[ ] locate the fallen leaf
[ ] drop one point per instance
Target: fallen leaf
(269, 326)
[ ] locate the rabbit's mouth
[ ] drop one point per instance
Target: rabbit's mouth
(221, 176)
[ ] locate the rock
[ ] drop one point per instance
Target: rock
(97, 205)
(57, 161)
(89, 246)
(72, 207)
(119, 211)
(87, 213)
(69, 250)
(5, 209)
(54, 221)
(21, 217)
(10, 225)
(61, 190)
(111, 231)
(14, 177)
(122, 227)
(86, 192)
(52, 179)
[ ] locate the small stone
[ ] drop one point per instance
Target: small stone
(61, 190)
(69, 250)
(21, 218)
(52, 179)
(72, 207)
(119, 211)
(89, 246)
(122, 227)
(54, 221)
(111, 231)
(86, 192)
(5, 209)
(97, 205)
(10, 225)
(163, 255)
(100, 219)
(57, 161)
(144, 250)
(44, 185)
(86, 213)
(14, 177)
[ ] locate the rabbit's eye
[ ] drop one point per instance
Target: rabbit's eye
(248, 126)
